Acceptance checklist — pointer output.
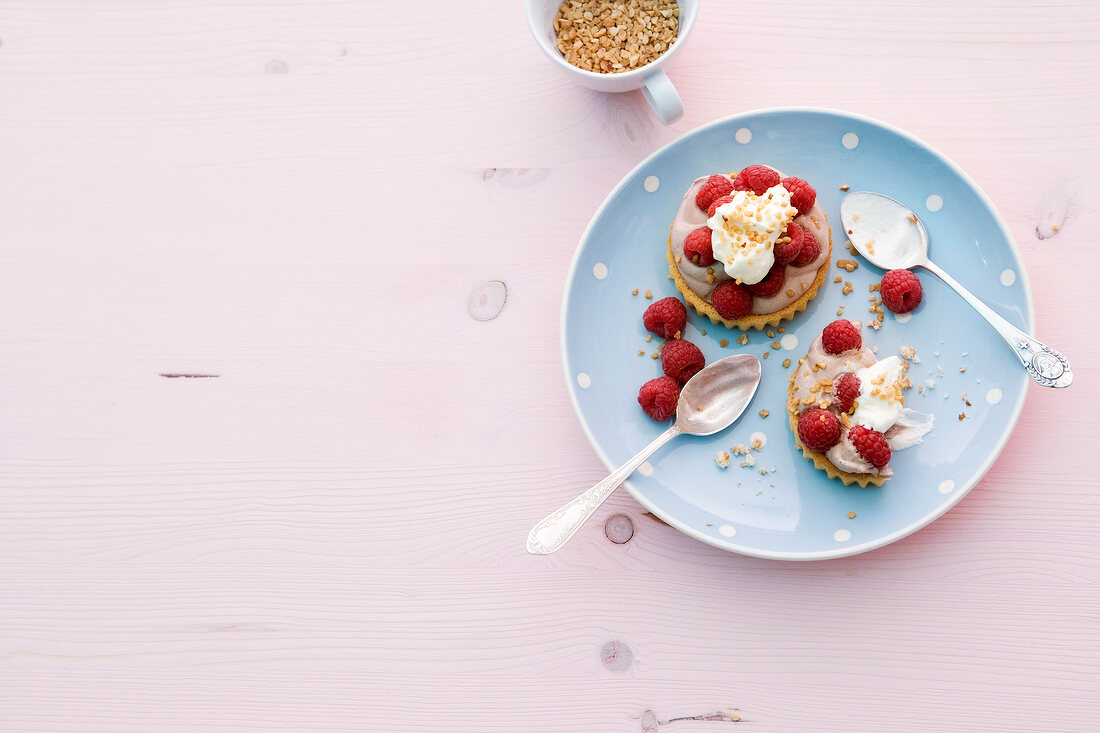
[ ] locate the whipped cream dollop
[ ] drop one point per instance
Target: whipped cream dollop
(880, 400)
(744, 231)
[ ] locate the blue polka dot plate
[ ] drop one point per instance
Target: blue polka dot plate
(781, 506)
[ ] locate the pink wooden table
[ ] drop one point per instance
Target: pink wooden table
(326, 531)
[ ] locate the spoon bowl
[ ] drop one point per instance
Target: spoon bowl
(892, 237)
(711, 401)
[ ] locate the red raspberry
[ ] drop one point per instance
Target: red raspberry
(715, 187)
(666, 318)
(787, 251)
(819, 430)
(681, 360)
(811, 248)
(900, 290)
(771, 284)
(845, 391)
(731, 300)
(716, 203)
(658, 398)
(871, 444)
(755, 178)
(697, 247)
(803, 195)
(840, 336)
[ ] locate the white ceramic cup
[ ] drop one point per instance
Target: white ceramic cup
(651, 78)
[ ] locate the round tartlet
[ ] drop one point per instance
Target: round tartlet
(696, 282)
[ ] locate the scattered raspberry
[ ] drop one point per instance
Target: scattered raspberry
(697, 247)
(840, 336)
(803, 195)
(716, 187)
(716, 203)
(731, 300)
(819, 430)
(666, 318)
(900, 290)
(871, 444)
(788, 251)
(771, 284)
(658, 398)
(809, 251)
(845, 391)
(681, 360)
(755, 178)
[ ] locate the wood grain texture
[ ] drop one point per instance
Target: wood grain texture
(327, 532)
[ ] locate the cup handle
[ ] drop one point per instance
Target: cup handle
(663, 97)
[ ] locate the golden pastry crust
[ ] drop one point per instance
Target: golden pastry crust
(820, 460)
(754, 321)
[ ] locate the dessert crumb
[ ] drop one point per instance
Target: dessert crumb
(764, 413)
(749, 461)
(724, 343)
(655, 355)
(849, 265)
(783, 329)
(761, 491)
(743, 339)
(930, 383)
(648, 294)
(649, 338)
(876, 324)
(851, 515)
(872, 287)
(909, 353)
(962, 416)
(766, 354)
(641, 352)
(775, 344)
(763, 471)
(786, 363)
(845, 187)
(836, 279)
(771, 333)
(847, 289)
(634, 291)
(739, 449)
(703, 331)
(912, 217)
(852, 248)
(722, 458)
(710, 524)
(962, 370)
(874, 349)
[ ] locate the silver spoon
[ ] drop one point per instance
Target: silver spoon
(710, 401)
(891, 236)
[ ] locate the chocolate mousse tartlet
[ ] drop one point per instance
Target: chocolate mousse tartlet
(749, 249)
(847, 409)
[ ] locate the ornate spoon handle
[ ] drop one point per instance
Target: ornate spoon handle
(555, 530)
(1045, 365)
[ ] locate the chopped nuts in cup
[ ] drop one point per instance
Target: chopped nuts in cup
(613, 37)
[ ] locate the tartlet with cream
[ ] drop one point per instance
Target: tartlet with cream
(749, 249)
(847, 409)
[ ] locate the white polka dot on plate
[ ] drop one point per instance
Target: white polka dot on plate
(727, 530)
(947, 486)
(651, 183)
(1008, 277)
(584, 380)
(789, 342)
(902, 317)
(934, 202)
(646, 469)
(743, 135)
(993, 396)
(599, 270)
(842, 535)
(850, 140)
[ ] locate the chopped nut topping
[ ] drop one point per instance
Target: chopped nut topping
(613, 37)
